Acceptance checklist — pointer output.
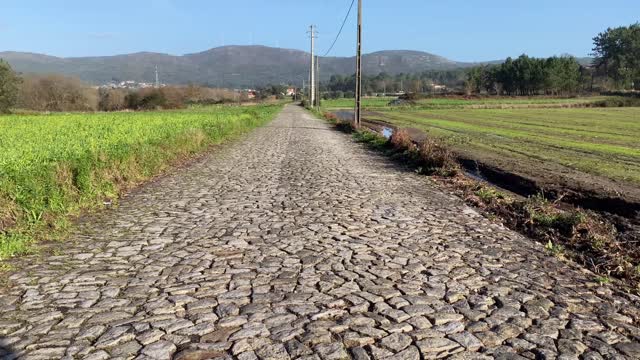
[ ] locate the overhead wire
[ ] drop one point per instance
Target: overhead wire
(341, 28)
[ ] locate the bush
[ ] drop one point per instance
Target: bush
(132, 100)
(437, 158)
(170, 97)
(56, 93)
(330, 116)
(148, 99)
(153, 100)
(401, 140)
(411, 96)
(618, 102)
(206, 96)
(112, 100)
(9, 83)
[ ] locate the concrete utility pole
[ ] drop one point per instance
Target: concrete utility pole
(157, 78)
(312, 77)
(359, 69)
(318, 82)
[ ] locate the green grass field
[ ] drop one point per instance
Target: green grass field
(598, 141)
(53, 166)
(378, 102)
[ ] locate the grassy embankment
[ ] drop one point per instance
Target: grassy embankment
(54, 166)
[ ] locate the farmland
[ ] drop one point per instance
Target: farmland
(598, 141)
(530, 136)
(54, 166)
(382, 103)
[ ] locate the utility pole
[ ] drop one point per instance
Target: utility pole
(312, 78)
(359, 69)
(157, 78)
(318, 82)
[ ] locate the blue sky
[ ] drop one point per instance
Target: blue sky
(461, 30)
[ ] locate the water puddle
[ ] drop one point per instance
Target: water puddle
(347, 115)
(344, 115)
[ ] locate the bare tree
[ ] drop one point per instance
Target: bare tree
(56, 93)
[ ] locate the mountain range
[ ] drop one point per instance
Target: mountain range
(237, 66)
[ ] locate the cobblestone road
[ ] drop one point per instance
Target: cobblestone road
(297, 243)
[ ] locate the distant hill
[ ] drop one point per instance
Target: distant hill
(238, 66)
(228, 65)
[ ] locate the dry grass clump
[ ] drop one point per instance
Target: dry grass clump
(438, 158)
(401, 140)
(345, 126)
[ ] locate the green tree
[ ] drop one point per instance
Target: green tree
(618, 52)
(563, 75)
(526, 76)
(9, 87)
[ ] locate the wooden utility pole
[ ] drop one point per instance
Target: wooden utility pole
(359, 69)
(312, 80)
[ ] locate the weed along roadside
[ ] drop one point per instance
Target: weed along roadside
(54, 167)
(568, 232)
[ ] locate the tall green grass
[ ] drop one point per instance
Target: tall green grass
(54, 166)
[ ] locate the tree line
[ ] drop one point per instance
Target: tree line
(527, 76)
(617, 55)
(340, 86)
(616, 66)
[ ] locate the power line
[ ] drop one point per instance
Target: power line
(341, 27)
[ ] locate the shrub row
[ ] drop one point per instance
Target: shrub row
(56, 93)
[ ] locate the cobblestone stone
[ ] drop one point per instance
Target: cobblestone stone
(295, 242)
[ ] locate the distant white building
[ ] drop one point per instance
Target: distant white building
(129, 85)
